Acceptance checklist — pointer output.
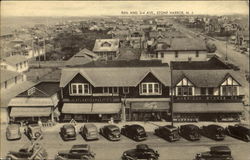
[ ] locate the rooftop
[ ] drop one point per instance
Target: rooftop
(13, 60)
(106, 45)
(7, 75)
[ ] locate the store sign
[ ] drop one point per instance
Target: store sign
(151, 105)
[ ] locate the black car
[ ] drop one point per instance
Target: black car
(68, 132)
(135, 132)
(215, 153)
(111, 132)
(168, 132)
(213, 131)
(190, 132)
(239, 131)
(142, 152)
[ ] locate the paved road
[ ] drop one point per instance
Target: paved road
(106, 150)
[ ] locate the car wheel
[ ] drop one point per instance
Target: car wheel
(37, 134)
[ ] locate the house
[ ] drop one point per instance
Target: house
(136, 39)
(116, 90)
(107, 49)
(37, 103)
(82, 57)
(206, 94)
(179, 49)
(16, 63)
(10, 78)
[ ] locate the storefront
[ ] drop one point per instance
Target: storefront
(147, 111)
(90, 112)
(207, 111)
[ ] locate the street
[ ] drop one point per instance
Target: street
(106, 150)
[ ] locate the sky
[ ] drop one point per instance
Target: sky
(97, 8)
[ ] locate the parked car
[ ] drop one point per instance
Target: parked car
(33, 152)
(239, 131)
(111, 132)
(190, 132)
(13, 132)
(68, 132)
(213, 131)
(215, 153)
(142, 151)
(168, 132)
(77, 152)
(89, 132)
(33, 131)
(134, 131)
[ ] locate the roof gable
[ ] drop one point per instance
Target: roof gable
(230, 80)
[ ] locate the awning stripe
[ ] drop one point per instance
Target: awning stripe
(89, 108)
(30, 111)
(207, 107)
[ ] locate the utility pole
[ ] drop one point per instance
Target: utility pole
(44, 48)
(226, 48)
(172, 92)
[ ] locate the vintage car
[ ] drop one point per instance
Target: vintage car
(68, 132)
(142, 151)
(190, 132)
(13, 132)
(77, 152)
(213, 131)
(111, 132)
(239, 131)
(33, 131)
(135, 132)
(168, 132)
(215, 153)
(33, 152)
(89, 132)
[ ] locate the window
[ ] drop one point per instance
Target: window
(197, 54)
(105, 90)
(79, 89)
(210, 91)
(203, 91)
(125, 90)
(229, 90)
(15, 79)
(176, 54)
(185, 91)
(21, 65)
(162, 54)
(115, 90)
(150, 88)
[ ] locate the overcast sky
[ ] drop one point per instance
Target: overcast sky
(95, 8)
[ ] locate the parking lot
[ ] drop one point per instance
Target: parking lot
(107, 150)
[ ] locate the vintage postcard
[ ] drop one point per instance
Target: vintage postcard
(124, 80)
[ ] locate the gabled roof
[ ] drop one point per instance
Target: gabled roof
(13, 60)
(114, 45)
(7, 75)
(181, 44)
(107, 77)
(205, 78)
(82, 57)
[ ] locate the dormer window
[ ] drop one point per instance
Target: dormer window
(105, 44)
(150, 89)
(79, 89)
(230, 87)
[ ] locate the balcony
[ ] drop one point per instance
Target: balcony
(91, 99)
(208, 98)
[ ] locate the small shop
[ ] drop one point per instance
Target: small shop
(90, 112)
(189, 112)
(147, 111)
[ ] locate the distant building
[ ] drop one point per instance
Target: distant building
(10, 79)
(107, 49)
(136, 39)
(16, 63)
(82, 57)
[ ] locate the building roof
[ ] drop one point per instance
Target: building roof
(212, 63)
(42, 89)
(13, 60)
(7, 75)
(176, 34)
(125, 63)
(114, 76)
(181, 44)
(106, 45)
(204, 78)
(82, 57)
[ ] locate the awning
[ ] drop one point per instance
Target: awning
(150, 106)
(89, 108)
(207, 107)
(26, 101)
(30, 111)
